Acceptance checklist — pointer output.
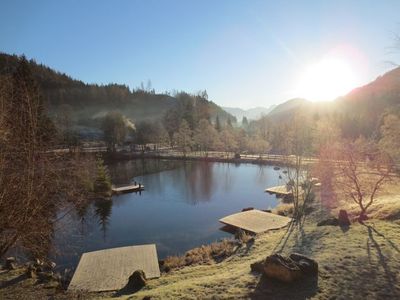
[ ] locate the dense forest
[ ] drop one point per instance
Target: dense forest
(193, 123)
(87, 104)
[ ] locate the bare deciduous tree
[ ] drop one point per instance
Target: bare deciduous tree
(37, 187)
(361, 171)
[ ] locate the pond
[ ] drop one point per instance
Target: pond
(178, 210)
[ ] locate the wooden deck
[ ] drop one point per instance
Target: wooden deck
(281, 190)
(256, 221)
(109, 270)
(127, 188)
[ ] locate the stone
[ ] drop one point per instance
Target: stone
(332, 221)
(281, 268)
(11, 263)
(307, 265)
(137, 280)
(344, 218)
(258, 266)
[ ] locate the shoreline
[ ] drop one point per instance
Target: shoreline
(272, 160)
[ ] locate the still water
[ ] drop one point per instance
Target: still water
(178, 210)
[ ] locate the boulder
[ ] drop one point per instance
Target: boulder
(307, 265)
(344, 218)
(11, 263)
(258, 266)
(332, 221)
(137, 280)
(281, 268)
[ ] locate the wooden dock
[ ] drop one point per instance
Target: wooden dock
(109, 270)
(256, 221)
(280, 190)
(127, 188)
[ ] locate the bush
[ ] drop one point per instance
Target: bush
(205, 254)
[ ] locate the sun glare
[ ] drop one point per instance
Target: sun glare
(326, 80)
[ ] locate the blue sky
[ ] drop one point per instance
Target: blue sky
(244, 53)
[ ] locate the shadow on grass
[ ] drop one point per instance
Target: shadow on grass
(126, 290)
(13, 281)
(280, 246)
(272, 289)
(390, 276)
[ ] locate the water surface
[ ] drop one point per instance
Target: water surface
(178, 210)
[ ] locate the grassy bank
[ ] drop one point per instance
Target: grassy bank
(361, 262)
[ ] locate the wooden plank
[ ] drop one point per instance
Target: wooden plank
(279, 190)
(109, 270)
(256, 221)
(127, 188)
(282, 190)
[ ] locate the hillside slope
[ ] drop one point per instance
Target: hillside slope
(89, 102)
(362, 109)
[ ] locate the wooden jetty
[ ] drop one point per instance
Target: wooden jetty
(127, 188)
(281, 190)
(256, 221)
(109, 270)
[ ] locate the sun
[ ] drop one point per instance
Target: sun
(326, 80)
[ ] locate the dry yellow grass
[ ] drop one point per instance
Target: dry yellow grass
(362, 262)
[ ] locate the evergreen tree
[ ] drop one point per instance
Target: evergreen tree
(245, 122)
(217, 124)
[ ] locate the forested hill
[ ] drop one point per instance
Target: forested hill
(89, 102)
(359, 113)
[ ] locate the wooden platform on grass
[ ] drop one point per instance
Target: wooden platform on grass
(109, 270)
(280, 190)
(256, 221)
(127, 189)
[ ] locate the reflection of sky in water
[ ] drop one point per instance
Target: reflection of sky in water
(178, 210)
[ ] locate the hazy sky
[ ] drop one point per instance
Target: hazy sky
(244, 53)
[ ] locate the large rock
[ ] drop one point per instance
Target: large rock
(344, 218)
(287, 269)
(281, 268)
(307, 265)
(137, 280)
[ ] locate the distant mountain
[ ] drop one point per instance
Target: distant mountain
(89, 102)
(250, 114)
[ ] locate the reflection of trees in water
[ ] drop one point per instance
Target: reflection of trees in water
(125, 171)
(199, 182)
(102, 210)
(227, 176)
(261, 175)
(81, 211)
